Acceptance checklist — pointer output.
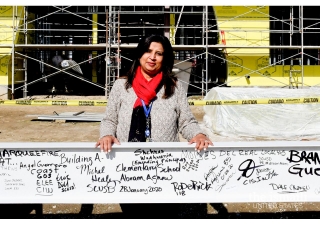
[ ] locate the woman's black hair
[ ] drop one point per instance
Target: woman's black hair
(168, 79)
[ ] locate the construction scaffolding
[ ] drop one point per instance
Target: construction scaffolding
(233, 46)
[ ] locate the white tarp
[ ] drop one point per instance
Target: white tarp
(274, 121)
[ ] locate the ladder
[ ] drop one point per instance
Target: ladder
(24, 68)
(295, 73)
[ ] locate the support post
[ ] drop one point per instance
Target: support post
(206, 30)
(302, 50)
(107, 54)
(25, 18)
(167, 21)
(12, 52)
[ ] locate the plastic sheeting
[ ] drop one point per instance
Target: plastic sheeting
(267, 121)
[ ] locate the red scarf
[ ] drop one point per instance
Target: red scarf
(145, 90)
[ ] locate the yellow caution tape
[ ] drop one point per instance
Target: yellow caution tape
(55, 102)
(191, 102)
(255, 101)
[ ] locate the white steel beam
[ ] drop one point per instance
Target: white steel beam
(48, 172)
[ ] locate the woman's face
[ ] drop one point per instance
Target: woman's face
(151, 61)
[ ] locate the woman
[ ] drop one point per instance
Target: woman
(150, 105)
(154, 98)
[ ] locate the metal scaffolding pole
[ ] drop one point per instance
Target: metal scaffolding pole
(118, 50)
(25, 90)
(113, 24)
(107, 54)
(206, 30)
(12, 55)
(302, 40)
(177, 25)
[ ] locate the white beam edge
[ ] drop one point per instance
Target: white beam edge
(171, 145)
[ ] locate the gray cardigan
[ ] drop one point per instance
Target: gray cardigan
(168, 116)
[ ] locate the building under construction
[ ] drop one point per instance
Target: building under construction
(230, 46)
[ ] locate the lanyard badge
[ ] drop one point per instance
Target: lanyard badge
(147, 113)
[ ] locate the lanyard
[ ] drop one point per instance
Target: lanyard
(146, 113)
(145, 109)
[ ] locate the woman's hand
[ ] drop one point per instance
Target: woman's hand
(106, 142)
(202, 142)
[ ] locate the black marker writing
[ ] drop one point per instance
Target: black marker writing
(245, 168)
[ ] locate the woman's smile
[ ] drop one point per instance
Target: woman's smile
(151, 64)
